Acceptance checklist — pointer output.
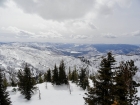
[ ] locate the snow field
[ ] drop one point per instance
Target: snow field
(52, 95)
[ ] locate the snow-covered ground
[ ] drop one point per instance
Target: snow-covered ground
(52, 95)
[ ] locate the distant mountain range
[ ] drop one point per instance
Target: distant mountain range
(92, 49)
(42, 56)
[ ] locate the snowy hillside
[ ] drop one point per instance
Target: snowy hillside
(14, 55)
(52, 95)
(42, 56)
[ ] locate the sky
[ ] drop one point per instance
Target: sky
(70, 21)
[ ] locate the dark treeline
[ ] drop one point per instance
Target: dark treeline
(113, 85)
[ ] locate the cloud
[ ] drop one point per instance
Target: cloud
(16, 32)
(61, 10)
(48, 34)
(2, 2)
(109, 36)
(78, 36)
(56, 9)
(136, 33)
(124, 3)
(69, 9)
(92, 26)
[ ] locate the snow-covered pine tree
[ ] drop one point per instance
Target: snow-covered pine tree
(4, 96)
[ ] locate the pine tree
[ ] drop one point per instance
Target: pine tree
(125, 85)
(74, 76)
(121, 93)
(102, 92)
(83, 79)
(55, 79)
(45, 77)
(5, 83)
(40, 78)
(69, 74)
(26, 82)
(131, 84)
(21, 80)
(62, 73)
(13, 83)
(4, 96)
(49, 77)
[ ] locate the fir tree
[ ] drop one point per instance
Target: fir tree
(62, 73)
(4, 96)
(125, 85)
(21, 80)
(13, 83)
(55, 79)
(102, 92)
(74, 76)
(26, 82)
(5, 83)
(69, 74)
(45, 77)
(83, 79)
(131, 84)
(40, 78)
(121, 93)
(49, 77)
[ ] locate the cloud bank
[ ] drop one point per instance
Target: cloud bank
(56, 9)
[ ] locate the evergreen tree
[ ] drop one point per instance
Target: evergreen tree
(40, 78)
(5, 83)
(62, 73)
(69, 74)
(55, 79)
(4, 96)
(13, 83)
(49, 77)
(131, 84)
(45, 77)
(125, 85)
(102, 92)
(121, 93)
(21, 80)
(74, 76)
(26, 82)
(83, 79)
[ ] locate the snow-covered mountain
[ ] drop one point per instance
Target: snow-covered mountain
(42, 56)
(39, 56)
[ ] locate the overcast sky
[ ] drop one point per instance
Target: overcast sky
(70, 21)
